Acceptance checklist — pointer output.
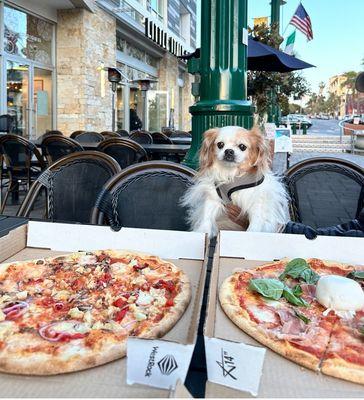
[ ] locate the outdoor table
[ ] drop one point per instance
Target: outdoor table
(9, 223)
(150, 148)
(181, 140)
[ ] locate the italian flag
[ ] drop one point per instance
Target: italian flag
(290, 43)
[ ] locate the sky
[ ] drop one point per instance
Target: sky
(338, 29)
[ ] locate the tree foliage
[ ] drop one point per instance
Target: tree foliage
(260, 83)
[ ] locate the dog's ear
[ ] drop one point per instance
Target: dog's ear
(258, 152)
(206, 151)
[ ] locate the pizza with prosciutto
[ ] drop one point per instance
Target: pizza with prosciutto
(76, 311)
(309, 311)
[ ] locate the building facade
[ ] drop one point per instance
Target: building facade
(55, 55)
(336, 87)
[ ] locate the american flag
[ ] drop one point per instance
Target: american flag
(302, 22)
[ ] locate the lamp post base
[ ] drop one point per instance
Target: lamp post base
(212, 114)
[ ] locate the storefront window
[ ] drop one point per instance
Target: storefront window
(157, 107)
(27, 36)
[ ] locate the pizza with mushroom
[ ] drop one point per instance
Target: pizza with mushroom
(310, 311)
(76, 311)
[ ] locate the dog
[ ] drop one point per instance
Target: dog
(234, 167)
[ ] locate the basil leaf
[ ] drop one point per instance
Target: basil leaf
(356, 275)
(310, 276)
(297, 290)
(291, 298)
(270, 288)
(294, 268)
(302, 317)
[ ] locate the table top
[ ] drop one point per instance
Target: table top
(181, 140)
(151, 148)
(8, 223)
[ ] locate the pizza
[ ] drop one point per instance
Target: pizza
(309, 311)
(76, 311)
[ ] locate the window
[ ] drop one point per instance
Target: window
(27, 36)
(185, 24)
(156, 7)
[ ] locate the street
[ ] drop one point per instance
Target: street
(324, 127)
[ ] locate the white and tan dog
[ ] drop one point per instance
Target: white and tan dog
(234, 167)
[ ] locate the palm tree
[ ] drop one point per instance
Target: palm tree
(349, 83)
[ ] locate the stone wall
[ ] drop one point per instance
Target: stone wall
(168, 80)
(85, 42)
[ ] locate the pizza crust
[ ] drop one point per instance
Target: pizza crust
(340, 368)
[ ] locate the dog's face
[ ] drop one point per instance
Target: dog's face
(233, 146)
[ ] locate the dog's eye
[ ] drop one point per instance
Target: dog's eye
(220, 145)
(242, 147)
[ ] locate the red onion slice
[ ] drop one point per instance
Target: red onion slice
(47, 333)
(16, 310)
(125, 326)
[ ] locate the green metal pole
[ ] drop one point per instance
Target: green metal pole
(274, 14)
(223, 72)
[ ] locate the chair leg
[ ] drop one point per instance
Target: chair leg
(10, 187)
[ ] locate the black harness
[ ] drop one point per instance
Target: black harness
(227, 189)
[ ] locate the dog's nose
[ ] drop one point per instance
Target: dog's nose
(229, 152)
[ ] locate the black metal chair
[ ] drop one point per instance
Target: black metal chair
(123, 133)
(110, 134)
(161, 138)
(180, 134)
(7, 123)
(21, 170)
(126, 152)
(89, 137)
(145, 195)
(141, 137)
(73, 184)
(75, 134)
(325, 191)
(55, 147)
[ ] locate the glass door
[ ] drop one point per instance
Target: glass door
(157, 110)
(42, 102)
(17, 96)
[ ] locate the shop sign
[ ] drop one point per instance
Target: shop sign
(161, 37)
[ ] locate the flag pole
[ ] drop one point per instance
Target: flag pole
(300, 2)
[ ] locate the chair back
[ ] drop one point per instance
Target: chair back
(6, 123)
(75, 134)
(18, 152)
(325, 191)
(145, 195)
(89, 137)
(180, 134)
(141, 137)
(126, 152)
(110, 134)
(161, 138)
(123, 133)
(55, 147)
(73, 184)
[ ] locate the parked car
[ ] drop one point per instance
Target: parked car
(296, 119)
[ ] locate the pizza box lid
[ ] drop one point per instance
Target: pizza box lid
(239, 366)
(166, 360)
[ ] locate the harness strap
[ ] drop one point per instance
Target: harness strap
(238, 187)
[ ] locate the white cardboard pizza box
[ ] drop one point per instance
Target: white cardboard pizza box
(153, 368)
(239, 366)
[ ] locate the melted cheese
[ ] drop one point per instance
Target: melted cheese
(144, 299)
(262, 314)
(339, 294)
(6, 328)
